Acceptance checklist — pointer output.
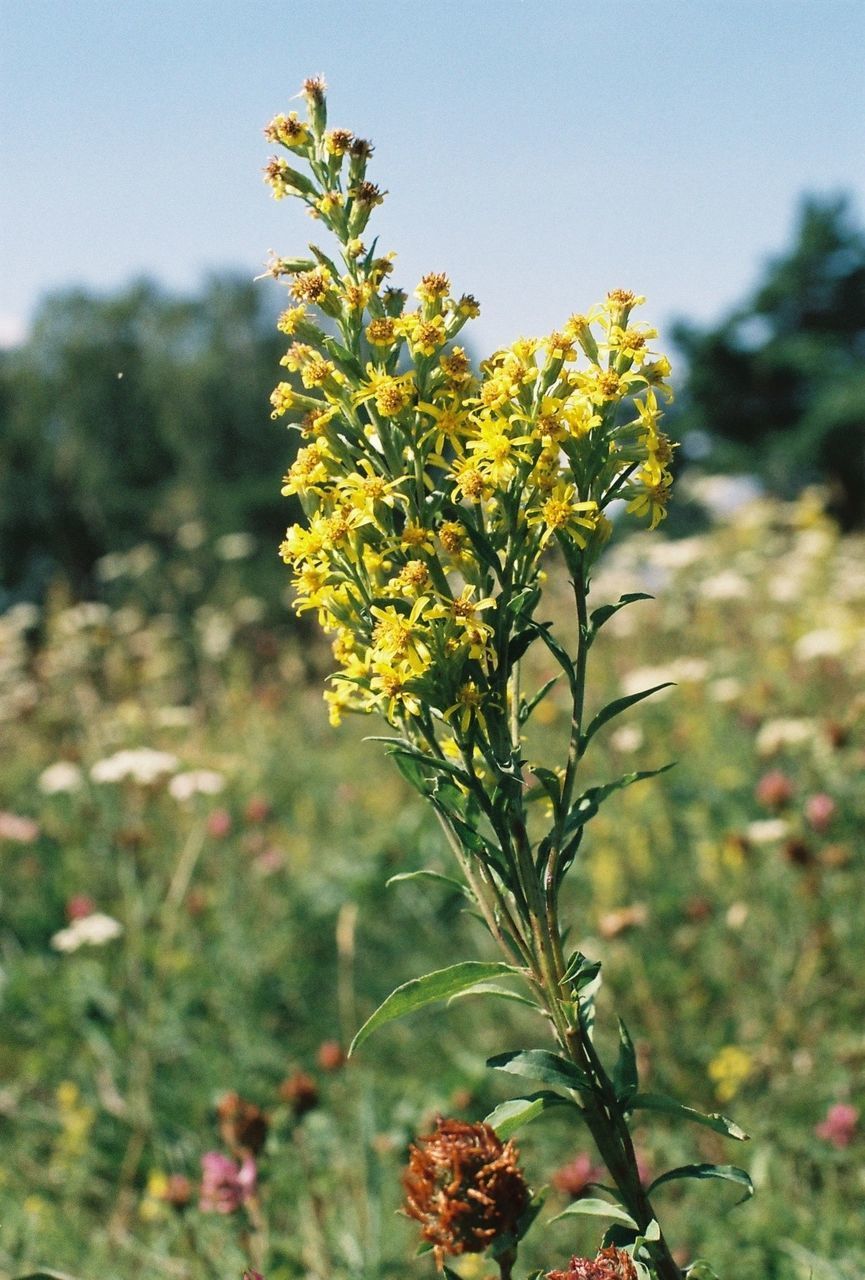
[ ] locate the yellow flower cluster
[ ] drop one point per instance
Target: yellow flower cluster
(431, 490)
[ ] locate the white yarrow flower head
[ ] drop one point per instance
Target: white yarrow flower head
(143, 765)
(196, 782)
(59, 777)
(89, 931)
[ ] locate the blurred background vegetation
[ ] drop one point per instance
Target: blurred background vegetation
(145, 610)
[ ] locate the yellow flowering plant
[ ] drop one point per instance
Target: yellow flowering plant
(432, 491)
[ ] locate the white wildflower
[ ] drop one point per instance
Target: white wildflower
(627, 738)
(143, 765)
(204, 782)
(89, 931)
(766, 830)
(786, 731)
(64, 775)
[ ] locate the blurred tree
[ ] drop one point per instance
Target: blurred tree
(123, 417)
(778, 388)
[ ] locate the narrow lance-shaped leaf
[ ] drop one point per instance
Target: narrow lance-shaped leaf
(590, 801)
(727, 1172)
(625, 1077)
(605, 612)
(669, 1106)
(436, 876)
(512, 1115)
(435, 986)
(597, 1209)
(616, 707)
(540, 1064)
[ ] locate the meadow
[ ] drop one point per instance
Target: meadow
(194, 905)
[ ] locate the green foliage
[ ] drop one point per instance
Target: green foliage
(778, 386)
(124, 417)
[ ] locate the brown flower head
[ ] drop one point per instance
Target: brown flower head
(242, 1124)
(301, 1093)
(464, 1186)
(610, 1264)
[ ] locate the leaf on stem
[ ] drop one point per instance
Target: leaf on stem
(510, 1116)
(616, 707)
(625, 1076)
(425, 874)
(432, 987)
(597, 1209)
(727, 1172)
(492, 989)
(590, 801)
(669, 1106)
(528, 706)
(599, 616)
(540, 1064)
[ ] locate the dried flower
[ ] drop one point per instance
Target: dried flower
(225, 1185)
(242, 1124)
(301, 1093)
(464, 1186)
(610, 1264)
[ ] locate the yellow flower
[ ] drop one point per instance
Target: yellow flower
(398, 636)
(289, 131)
(282, 398)
(497, 453)
(364, 488)
(391, 394)
(729, 1070)
(393, 686)
(451, 425)
(433, 287)
(468, 707)
(561, 513)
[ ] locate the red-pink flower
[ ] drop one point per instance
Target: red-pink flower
(774, 790)
(225, 1184)
(79, 906)
(574, 1177)
(820, 810)
(840, 1125)
(218, 823)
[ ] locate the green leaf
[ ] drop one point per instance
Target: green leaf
(491, 989)
(669, 1106)
(552, 785)
(617, 706)
(700, 1270)
(605, 612)
(46, 1274)
(424, 874)
(529, 704)
(625, 1076)
(540, 1064)
(428, 989)
(597, 1209)
(510, 1116)
(727, 1172)
(590, 801)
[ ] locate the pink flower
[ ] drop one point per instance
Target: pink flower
(774, 790)
(15, 827)
(218, 823)
(839, 1127)
(574, 1177)
(79, 906)
(820, 810)
(225, 1185)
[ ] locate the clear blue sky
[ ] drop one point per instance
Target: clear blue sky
(539, 151)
